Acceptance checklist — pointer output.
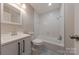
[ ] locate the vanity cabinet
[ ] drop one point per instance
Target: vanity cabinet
(10, 49)
(20, 47)
(26, 46)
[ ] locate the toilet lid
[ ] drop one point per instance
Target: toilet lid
(37, 42)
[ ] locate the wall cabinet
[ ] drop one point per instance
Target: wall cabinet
(11, 14)
(20, 47)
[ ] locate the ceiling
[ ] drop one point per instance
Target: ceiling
(43, 7)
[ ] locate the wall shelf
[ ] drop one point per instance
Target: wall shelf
(11, 23)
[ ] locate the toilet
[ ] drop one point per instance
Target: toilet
(37, 45)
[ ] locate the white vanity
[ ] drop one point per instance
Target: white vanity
(19, 44)
(11, 19)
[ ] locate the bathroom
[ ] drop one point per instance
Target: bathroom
(36, 28)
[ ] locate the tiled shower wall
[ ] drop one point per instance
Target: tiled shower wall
(50, 24)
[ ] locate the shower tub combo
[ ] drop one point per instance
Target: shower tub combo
(51, 46)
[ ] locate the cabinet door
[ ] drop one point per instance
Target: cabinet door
(10, 49)
(11, 14)
(26, 46)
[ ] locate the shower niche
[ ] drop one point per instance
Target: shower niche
(11, 14)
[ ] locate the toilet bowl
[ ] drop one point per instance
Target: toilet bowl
(37, 45)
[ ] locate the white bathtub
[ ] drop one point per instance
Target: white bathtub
(52, 40)
(53, 44)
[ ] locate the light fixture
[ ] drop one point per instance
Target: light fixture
(49, 4)
(23, 6)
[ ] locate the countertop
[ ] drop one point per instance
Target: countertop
(6, 38)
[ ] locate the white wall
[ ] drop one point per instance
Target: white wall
(36, 24)
(50, 24)
(0, 29)
(76, 23)
(69, 27)
(28, 19)
(76, 18)
(61, 22)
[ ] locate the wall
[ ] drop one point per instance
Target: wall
(69, 27)
(27, 26)
(61, 22)
(0, 28)
(50, 24)
(28, 19)
(36, 24)
(76, 14)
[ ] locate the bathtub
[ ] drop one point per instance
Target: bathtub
(53, 44)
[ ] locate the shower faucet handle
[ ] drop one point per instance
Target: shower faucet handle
(74, 37)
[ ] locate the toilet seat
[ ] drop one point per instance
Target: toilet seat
(37, 42)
